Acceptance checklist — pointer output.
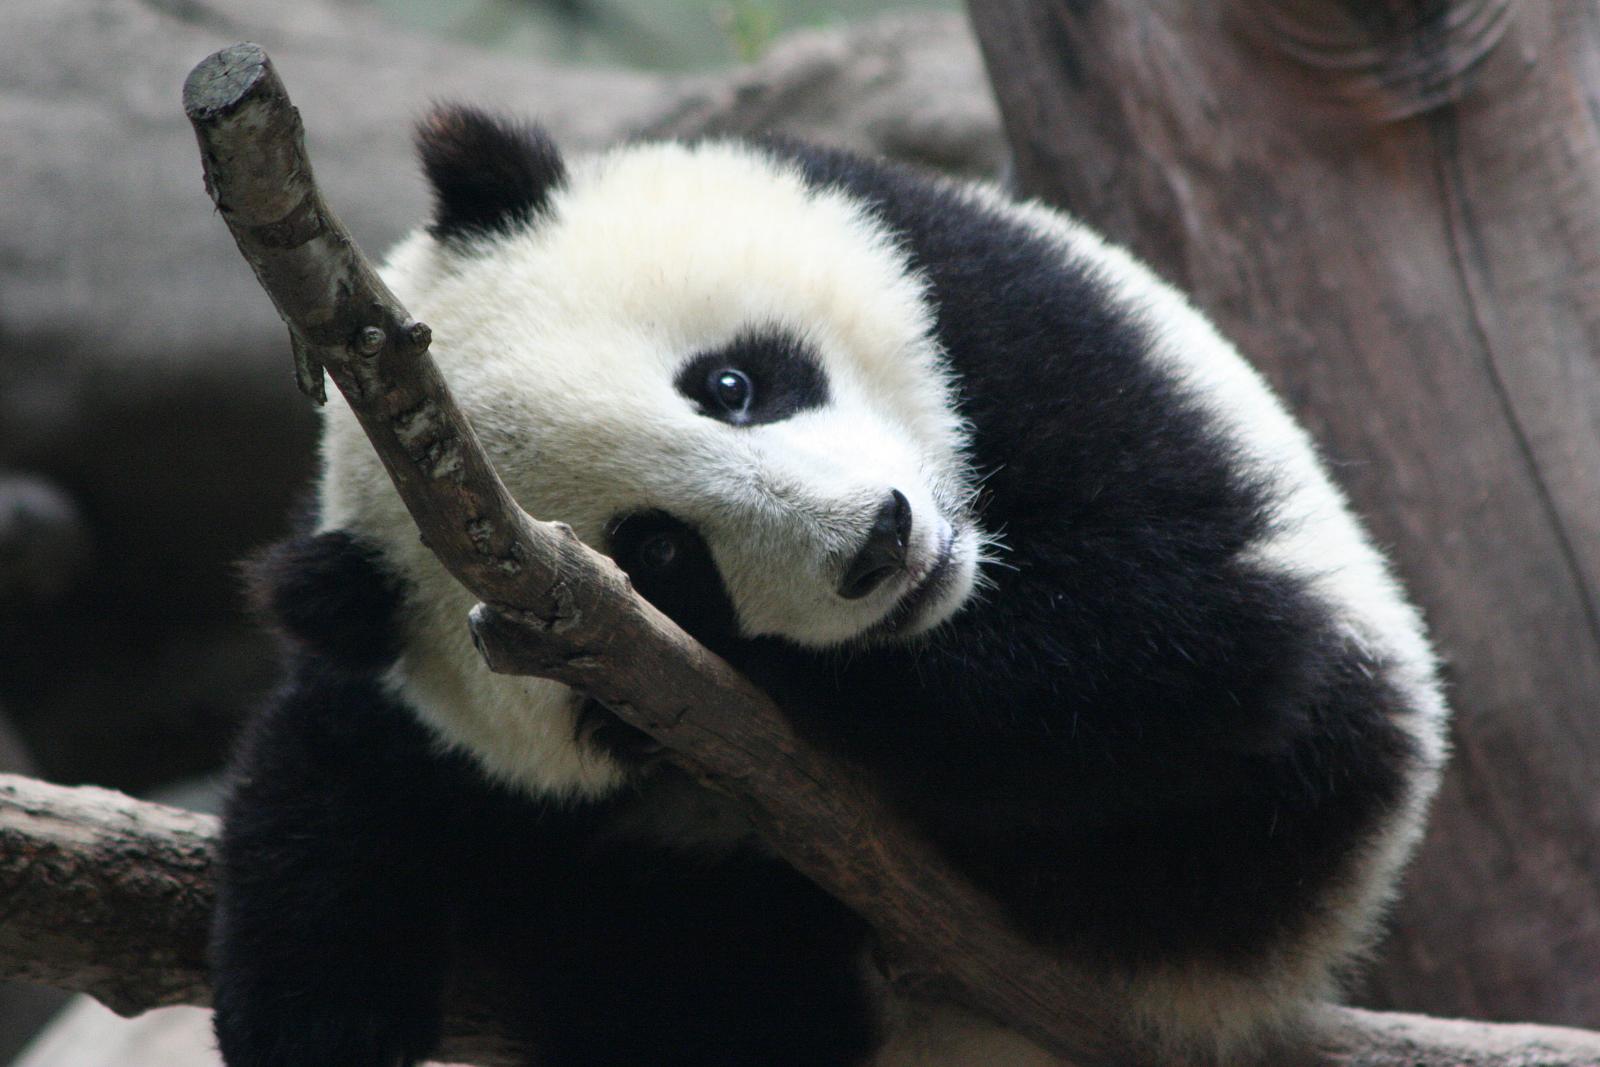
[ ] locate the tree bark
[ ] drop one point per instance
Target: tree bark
(1394, 208)
(104, 894)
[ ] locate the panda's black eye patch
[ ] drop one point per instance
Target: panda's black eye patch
(763, 375)
(653, 544)
(670, 565)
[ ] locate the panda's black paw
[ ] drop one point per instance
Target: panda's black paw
(598, 729)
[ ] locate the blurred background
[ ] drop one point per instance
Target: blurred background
(665, 35)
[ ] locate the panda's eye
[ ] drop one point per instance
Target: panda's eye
(659, 551)
(732, 390)
(760, 376)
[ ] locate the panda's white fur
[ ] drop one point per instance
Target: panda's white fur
(565, 364)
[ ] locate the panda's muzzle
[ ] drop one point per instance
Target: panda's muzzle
(883, 555)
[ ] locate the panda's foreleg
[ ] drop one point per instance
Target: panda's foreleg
(662, 958)
(329, 945)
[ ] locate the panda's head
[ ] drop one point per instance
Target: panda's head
(721, 375)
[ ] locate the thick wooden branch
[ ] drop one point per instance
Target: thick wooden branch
(112, 896)
(1353, 1038)
(104, 894)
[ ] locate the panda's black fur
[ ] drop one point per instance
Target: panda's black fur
(1157, 751)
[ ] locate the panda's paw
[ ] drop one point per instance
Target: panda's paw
(596, 727)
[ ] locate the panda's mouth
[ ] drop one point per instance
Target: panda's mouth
(927, 583)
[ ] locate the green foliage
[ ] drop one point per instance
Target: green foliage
(750, 26)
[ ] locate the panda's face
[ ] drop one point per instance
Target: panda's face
(688, 355)
(818, 515)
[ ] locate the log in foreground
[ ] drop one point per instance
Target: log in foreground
(112, 896)
(104, 894)
(554, 608)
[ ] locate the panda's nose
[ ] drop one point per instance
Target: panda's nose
(884, 552)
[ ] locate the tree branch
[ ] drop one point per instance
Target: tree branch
(104, 894)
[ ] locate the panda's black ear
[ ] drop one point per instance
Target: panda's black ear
(489, 174)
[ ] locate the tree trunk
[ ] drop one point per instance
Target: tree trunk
(1393, 206)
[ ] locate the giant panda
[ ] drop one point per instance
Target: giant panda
(992, 513)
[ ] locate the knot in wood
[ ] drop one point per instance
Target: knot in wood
(1397, 60)
(370, 341)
